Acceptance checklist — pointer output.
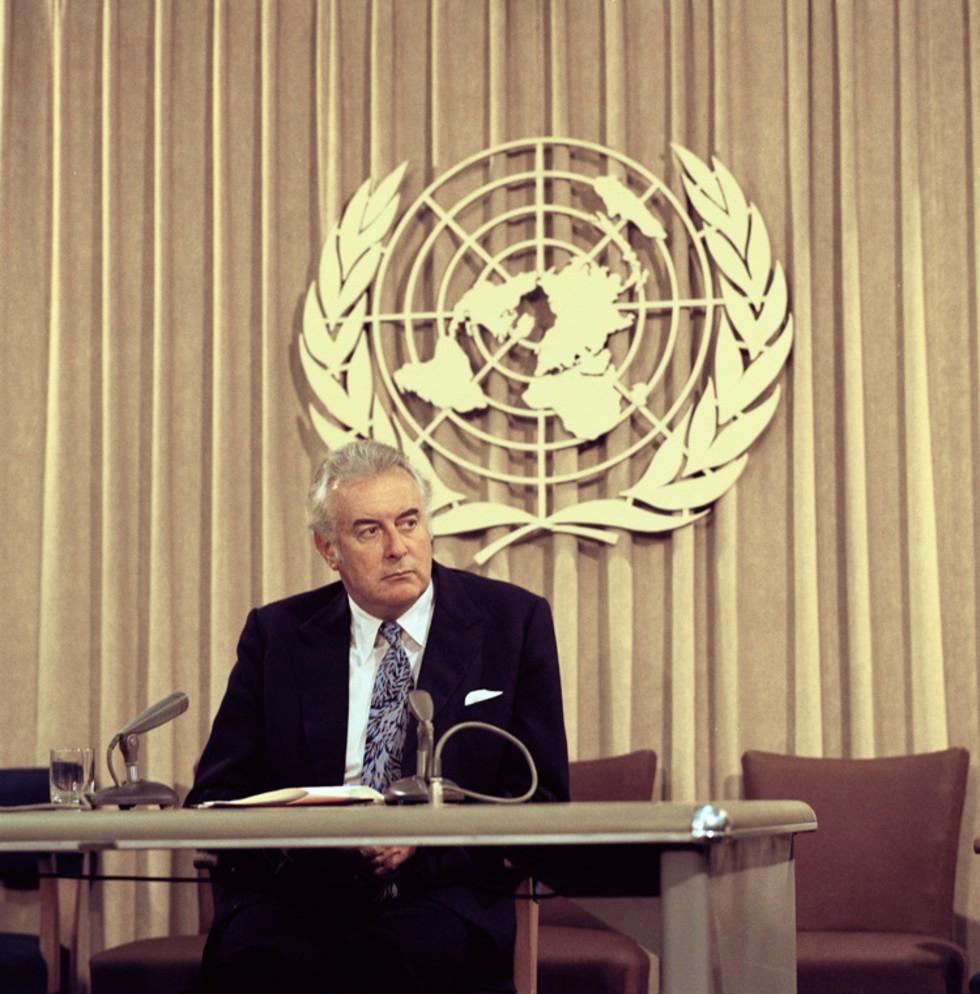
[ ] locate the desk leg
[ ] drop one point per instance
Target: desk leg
(728, 918)
(753, 916)
(685, 965)
(725, 921)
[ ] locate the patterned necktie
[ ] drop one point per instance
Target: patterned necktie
(388, 717)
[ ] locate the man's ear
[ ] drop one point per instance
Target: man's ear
(326, 550)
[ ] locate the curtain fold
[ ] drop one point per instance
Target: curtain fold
(804, 715)
(169, 173)
(859, 673)
(925, 644)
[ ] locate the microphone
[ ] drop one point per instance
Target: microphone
(156, 714)
(136, 790)
(415, 790)
(420, 702)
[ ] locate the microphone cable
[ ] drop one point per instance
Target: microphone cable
(476, 795)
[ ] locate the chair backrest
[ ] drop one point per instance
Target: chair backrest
(883, 858)
(25, 785)
(58, 898)
(627, 777)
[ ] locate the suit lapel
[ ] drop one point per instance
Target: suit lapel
(454, 648)
(322, 667)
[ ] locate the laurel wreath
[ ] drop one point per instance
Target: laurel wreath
(698, 461)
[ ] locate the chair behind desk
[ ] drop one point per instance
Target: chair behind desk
(172, 964)
(578, 954)
(42, 963)
(169, 964)
(875, 881)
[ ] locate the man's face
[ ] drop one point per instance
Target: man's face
(383, 550)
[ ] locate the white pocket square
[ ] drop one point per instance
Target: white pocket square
(475, 696)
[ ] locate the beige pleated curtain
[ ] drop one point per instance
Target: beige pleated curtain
(168, 172)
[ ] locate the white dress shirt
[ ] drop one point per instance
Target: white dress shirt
(367, 648)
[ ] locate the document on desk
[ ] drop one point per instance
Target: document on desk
(299, 796)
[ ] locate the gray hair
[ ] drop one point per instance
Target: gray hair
(359, 460)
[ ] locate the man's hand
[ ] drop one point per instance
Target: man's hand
(384, 859)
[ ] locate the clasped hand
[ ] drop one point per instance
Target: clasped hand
(385, 859)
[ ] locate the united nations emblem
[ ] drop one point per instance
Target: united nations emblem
(544, 312)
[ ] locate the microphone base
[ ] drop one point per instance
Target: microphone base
(135, 793)
(408, 790)
(442, 791)
(415, 790)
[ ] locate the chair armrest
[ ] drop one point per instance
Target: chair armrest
(526, 938)
(60, 899)
(205, 863)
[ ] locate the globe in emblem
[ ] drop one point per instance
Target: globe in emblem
(544, 289)
(542, 313)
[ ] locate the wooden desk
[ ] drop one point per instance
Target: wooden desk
(723, 921)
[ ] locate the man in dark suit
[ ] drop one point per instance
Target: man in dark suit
(317, 696)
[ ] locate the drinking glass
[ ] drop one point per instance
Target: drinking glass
(71, 775)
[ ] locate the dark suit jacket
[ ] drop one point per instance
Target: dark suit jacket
(283, 720)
